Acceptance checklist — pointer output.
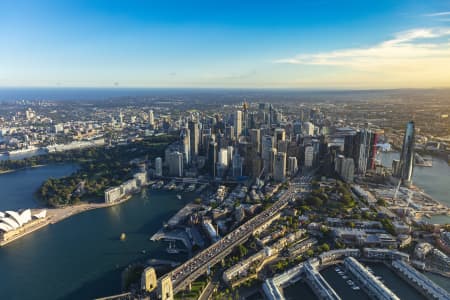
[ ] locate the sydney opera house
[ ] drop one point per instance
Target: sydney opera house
(11, 221)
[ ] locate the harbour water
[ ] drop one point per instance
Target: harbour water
(435, 180)
(293, 291)
(81, 257)
(17, 188)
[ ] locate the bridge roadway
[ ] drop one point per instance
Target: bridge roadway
(186, 273)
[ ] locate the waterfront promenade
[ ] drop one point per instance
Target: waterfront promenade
(55, 215)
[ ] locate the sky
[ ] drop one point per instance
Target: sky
(316, 44)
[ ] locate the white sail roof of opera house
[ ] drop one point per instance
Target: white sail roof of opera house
(5, 227)
(41, 214)
(16, 216)
(10, 220)
(13, 224)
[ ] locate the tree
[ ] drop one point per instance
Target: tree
(314, 201)
(242, 250)
(381, 202)
(325, 247)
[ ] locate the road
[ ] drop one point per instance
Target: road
(196, 266)
(211, 286)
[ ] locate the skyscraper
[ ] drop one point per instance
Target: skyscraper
(406, 166)
(222, 162)
(186, 144)
(151, 118)
(271, 163)
(279, 170)
(212, 157)
(308, 128)
(309, 156)
(267, 145)
(238, 123)
(292, 166)
(255, 140)
(347, 169)
(280, 135)
(176, 164)
(237, 165)
(297, 127)
(229, 133)
(365, 138)
(230, 154)
(194, 134)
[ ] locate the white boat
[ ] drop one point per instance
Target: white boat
(178, 196)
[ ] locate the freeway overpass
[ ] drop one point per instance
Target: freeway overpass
(186, 273)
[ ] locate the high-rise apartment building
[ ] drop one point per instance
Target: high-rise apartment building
(406, 166)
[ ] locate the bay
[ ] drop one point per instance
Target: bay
(80, 257)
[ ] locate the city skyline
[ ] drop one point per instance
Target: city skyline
(321, 45)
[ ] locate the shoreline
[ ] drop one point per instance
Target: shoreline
(24, 168)
(55, 215)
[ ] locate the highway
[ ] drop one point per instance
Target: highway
(183, 275)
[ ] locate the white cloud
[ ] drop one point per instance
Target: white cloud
(439, 14)
(404, 46)
(415, 57)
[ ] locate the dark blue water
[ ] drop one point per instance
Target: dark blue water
(274, 95)
(395, 283)
(80, 257)
(17, 188)
(61, 93)
(13, 94)
(299, 290)
(340, 285)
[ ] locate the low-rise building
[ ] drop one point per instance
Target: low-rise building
(340, 254)
(382, 254)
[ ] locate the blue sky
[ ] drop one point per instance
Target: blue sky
(295, 44)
